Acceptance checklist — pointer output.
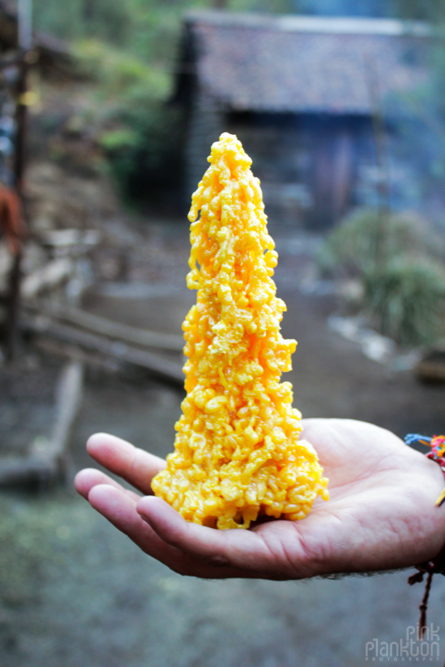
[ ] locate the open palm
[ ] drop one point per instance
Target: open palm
(381, 514)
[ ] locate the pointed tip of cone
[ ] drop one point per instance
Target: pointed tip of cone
(229, 144)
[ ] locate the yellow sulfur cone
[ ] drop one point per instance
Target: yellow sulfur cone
(237, 453)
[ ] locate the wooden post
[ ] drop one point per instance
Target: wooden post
(18, 168)
(24, 41)
(13, 298)
(24, 27)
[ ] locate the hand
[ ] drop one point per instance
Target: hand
(381, 514)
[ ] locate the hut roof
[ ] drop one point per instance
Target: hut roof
(301, 64)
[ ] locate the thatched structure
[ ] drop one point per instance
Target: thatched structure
(297, 92)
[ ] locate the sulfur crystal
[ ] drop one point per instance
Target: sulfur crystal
(237, 453)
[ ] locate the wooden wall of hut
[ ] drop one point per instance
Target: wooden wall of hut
(340, 144)
(307, 163)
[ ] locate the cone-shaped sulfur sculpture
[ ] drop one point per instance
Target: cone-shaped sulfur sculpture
(237, 453)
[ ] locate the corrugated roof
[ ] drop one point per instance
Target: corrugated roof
(304, 64)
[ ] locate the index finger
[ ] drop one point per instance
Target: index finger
(244, 551)
(120, 457)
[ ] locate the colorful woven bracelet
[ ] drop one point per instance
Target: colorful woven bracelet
(437, 564)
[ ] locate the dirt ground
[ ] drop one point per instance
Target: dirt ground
(75, 592)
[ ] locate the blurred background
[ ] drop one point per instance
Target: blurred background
(107, 114)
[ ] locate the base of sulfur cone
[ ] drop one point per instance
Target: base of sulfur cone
(237, 450)
(233, 498)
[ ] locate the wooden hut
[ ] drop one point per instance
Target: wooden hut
(297, 91)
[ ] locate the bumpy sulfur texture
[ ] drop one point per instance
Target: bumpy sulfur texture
(237, 453)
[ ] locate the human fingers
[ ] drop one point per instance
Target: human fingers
(89, 477)
(242, 550)
(120, 510)
(135, 465)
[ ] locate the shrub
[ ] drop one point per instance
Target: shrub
(406, 300)
(351, 247)
(404, 288)
(143, 149)
(139, 133)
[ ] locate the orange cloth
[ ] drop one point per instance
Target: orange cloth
(12, 224)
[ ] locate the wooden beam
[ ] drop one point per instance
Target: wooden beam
(69, 393)
(12, 317)
(50, 346)
(48, 458)
(156, 365)
(116, 330)
(67, 238)
(46, 277)
(19, 160)
(24, 470)
(6, 261)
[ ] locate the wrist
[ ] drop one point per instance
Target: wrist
(435, 562)
(434, 520)
(431, 468)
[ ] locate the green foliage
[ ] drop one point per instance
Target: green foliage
(404, 289)
(138, 132)
(406, 300)
(131, 47)
(147, 28)
(119, 74)
(351, 248)
(105, 19)
(119, 139)
(129, 50)
(144, 154)
(420, 10)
